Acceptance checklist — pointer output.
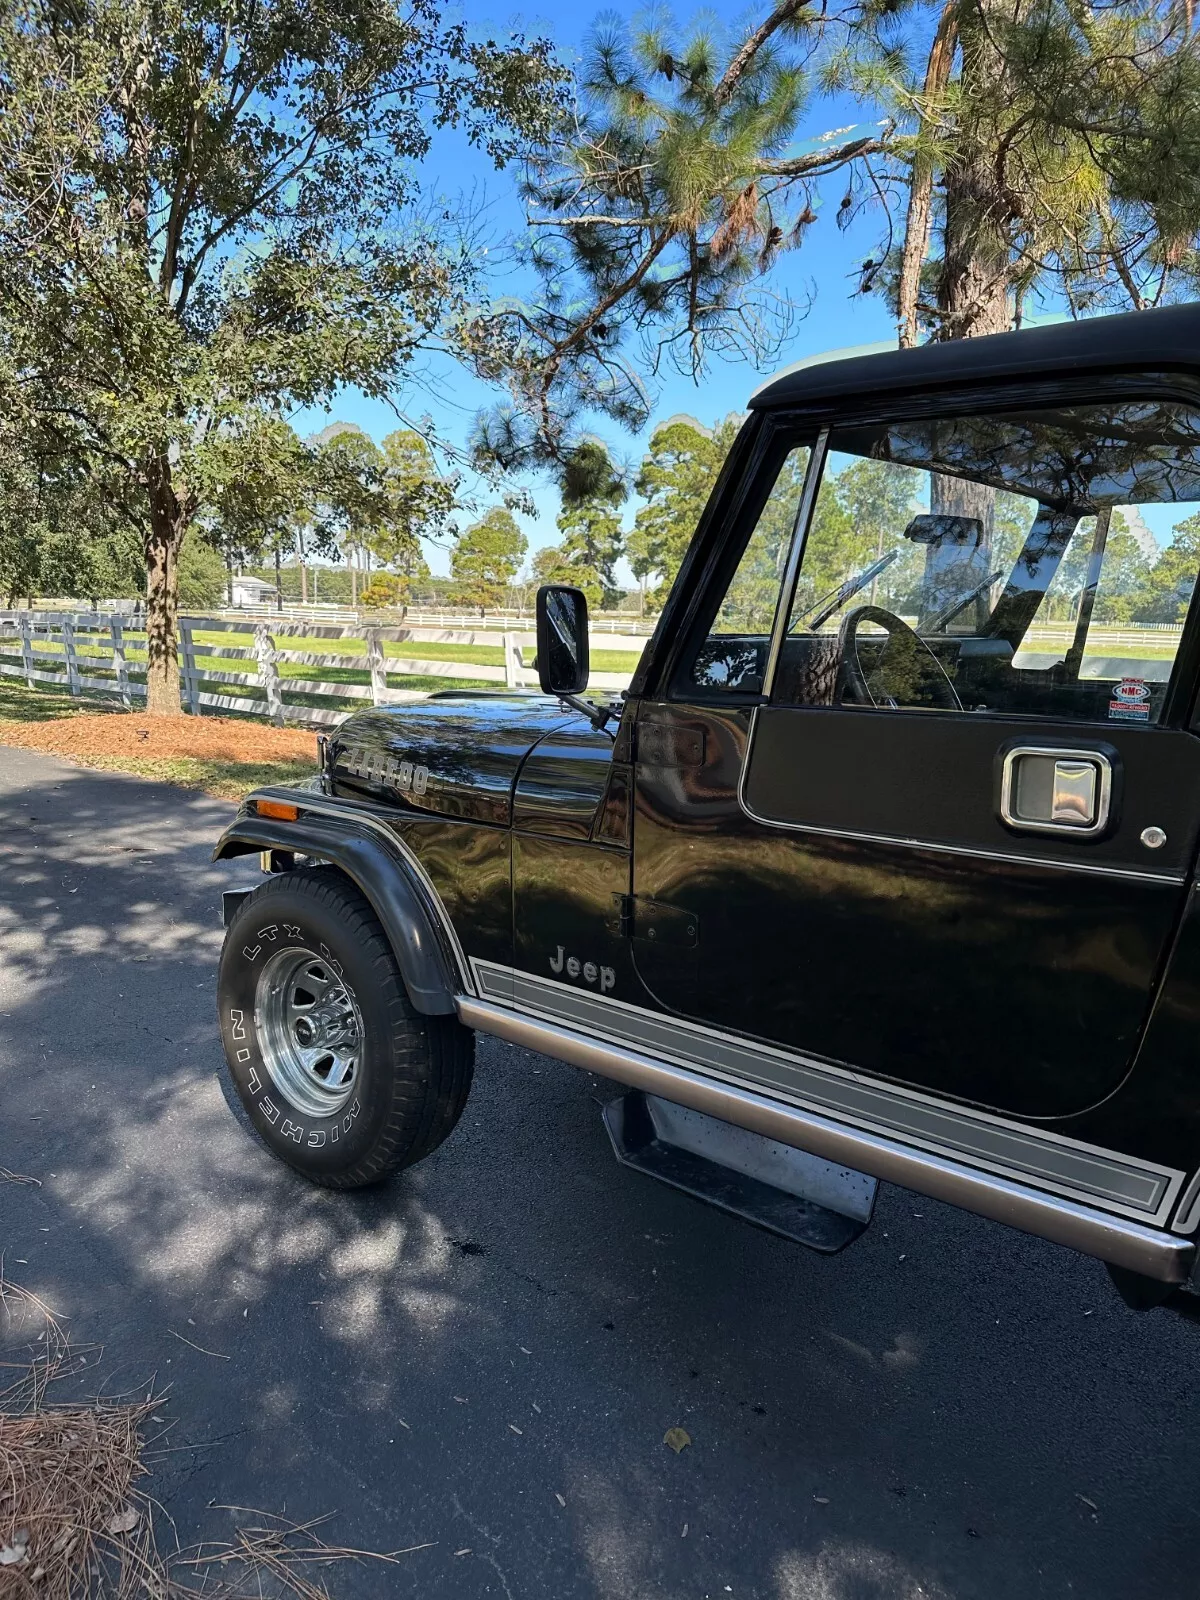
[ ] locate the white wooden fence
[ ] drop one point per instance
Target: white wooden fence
(105, 655)
(624, 623)
(84, 645)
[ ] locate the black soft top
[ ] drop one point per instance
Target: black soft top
(1138, 341)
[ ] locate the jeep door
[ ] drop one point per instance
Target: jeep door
(916, 774)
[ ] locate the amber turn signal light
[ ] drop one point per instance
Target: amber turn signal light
(279, 809)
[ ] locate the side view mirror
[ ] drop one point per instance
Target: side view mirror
(562, 639)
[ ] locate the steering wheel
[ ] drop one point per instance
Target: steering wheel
(853, 680)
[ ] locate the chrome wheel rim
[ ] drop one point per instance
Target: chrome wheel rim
(309, 1031)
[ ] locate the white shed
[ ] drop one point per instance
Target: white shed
(253, 592)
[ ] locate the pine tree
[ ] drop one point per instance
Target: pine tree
(676, 477)
(486, 558)
(590, 522)
(1055, 150)
(686, 169)
(1024, 152)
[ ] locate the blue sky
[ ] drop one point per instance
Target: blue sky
(824, 267)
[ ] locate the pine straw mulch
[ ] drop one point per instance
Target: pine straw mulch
(223, 756)
(77, 1523)
(165, 738)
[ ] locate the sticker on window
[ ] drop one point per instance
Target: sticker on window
(1130, 701)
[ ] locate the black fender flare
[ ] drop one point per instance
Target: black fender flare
(412, 916)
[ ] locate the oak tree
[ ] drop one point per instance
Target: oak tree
(209, 213)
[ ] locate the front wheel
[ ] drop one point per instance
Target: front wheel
(342, 1078)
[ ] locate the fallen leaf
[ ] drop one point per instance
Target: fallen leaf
(11, 1554)
(677, 1438)
(125, 1521)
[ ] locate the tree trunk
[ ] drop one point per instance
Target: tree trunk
(974, 291)
(975, 282)
(278, 581)
(974, 295)
(920, 200)
(162, 613)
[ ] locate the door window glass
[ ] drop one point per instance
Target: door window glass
(734, 653)
(1035, 563)
(1118, 602)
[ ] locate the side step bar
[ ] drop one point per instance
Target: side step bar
(776, 1187)
(1117, 1239)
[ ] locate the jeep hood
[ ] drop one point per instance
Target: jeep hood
(455, 754)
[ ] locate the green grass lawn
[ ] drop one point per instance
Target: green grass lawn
(480, 655)
(228, 780)
(19, 704)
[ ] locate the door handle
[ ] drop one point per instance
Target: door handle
(1045, 790)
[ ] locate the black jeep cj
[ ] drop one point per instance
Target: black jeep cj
(883, 867)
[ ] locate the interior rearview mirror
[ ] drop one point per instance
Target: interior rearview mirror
(562, 639)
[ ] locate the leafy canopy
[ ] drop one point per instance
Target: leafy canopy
(209, 212)
(655, 211)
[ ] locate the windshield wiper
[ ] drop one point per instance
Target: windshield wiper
(829, 603)
(943, 618)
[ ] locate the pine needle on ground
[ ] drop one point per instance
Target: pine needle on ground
(76, 1522)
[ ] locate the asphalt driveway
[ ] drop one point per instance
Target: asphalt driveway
(483, 1357)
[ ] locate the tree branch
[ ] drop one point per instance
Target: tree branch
(601, 221)
(737, 67)
(824, 160)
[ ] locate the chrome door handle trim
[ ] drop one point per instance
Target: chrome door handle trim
(1065, 800)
